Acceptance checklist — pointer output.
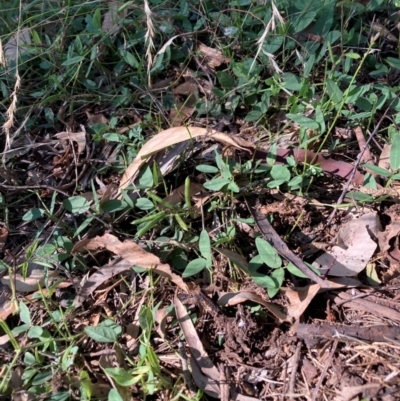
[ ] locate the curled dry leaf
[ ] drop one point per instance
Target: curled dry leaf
(171, 137)
(197, 350)
(78, 137)
(3, 236)
(234, 298)
(31, 283)
(132, 255)
(355, 247)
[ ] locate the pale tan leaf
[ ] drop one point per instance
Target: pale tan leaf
(131, 254)
(195, 345)
(78, 137)
(212, 57)
(384, 158)
(299, 299)
(111, 20)
(18, 42)
(31, 283)
(171, 137)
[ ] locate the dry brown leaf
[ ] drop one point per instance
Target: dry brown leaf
(78, 137)
(212, 57)
(355, 247)
(31, 283)
(21, 38)
(171, 137)
(299, 299)
(3, 236)
(180, 113)
(131, 254)
(111, 20)
(383, 31)
(384, 158)
(195, 346)
(234, 298)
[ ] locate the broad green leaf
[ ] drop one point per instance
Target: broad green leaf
(271, 154)
(254, 115)
(280, 173)
(275, 183)
(113, 395)
(195, 266)
(123, 377)
(76, 204)
(278, 275)
(68, 357)
(295, 270)
(268, 253)
(205, 168)
(144, 204)
(101, 334)
(42, 378)
(216, 184)
(395, 153)
(263, 280)
(35, 332)
(232, 186)
(303, 121)
(303, 21)
(205, 245)
(378, 170)
(145, 178)
(291, 81)
(352, 55)
(226, 80)
(86, 384)
(33, 214)
(113, 205)
(393, 62)
(334, 91)
(24, 313)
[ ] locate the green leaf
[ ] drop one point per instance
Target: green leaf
(101, 334)
(144, 204)
(395, 153)
(33, 214)
(76, 204)
(232, 186)
(280, 173)
(145, 178)
(352, 55)
(226, 80)
(263, 281)
(205, 245)
(73, 60)
(303, 20)
(205, 168)
(278, 275)
(295, 270)
(378, 170)
(291, 81)
(113, 395)
(334, 91)
(123, 377)
(194, 267)
(24, 313)
(320, 119)
(216, 184)
(268, 253)
(113, 205)
(86, 384)
(393, 62)
(254, 115)
(35, 332)
(303, 121)
(42, 378)
(360, 196)
(271, 154)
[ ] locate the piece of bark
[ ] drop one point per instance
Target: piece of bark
(364, 305)
(313, 334)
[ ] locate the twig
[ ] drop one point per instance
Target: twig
(323, 374)
(294, 366)
(21, 187)
(359, 158)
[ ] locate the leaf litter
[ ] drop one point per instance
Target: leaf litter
(241, 341)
